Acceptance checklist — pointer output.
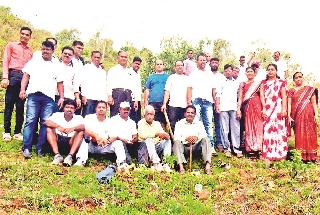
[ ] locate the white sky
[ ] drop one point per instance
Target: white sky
(282, 25)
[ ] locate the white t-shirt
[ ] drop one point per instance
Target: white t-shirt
(92, 123)
(59, 119)
(228, 95)
(122, 128)
(44, 76)
(71, 80)
(189, 66)
(136, 81)
(177, 86)
(282, 67)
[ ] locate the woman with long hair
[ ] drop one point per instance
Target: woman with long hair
(274, 102)
(249, 108)
(303, 115)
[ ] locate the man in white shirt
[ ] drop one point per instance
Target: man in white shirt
(120, 86)
(65, 133)
(134, 72)
(208, 58)
(43, 78)
(93, 84)
(125, 129)
(99, 141)
(189, 65)
(176, 89)
(203, 92)
(227, 102)
(282, 71)
(242, 68)
(190, 131)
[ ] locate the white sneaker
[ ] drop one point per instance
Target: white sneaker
(6, 137)
(158, 167)
(79, 162)
(57, 159)
(166, 168)
(18, 137)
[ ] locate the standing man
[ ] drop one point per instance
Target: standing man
(43, 78)
(134, 71)
(189, 63)
(203, 93)
(242, 68)
(154, 92)
(78, 49)
(282, 71)
(16, 55)
(93, 84)
(208, 58)
(120, 87)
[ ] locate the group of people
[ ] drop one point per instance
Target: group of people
(252, 111)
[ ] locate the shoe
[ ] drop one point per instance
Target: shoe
(166, 168)
(68, 160)
(220, 148)
(6, 137)
(79, 162)
(26, 153)
(122, 167)
(227, 154)
(40, 153)
(239, 155)
(57, 159)
(207, 169)
(158, 167)
(213, 152)
(18, 137)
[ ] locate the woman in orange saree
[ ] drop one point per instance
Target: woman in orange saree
(303, 114)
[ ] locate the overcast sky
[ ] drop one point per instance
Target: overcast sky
(290, 26)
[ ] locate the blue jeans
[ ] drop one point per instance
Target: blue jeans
(217, 127)
(205, 114)
(39, 106)
(90, 107)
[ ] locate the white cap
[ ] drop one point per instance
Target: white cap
(124, 105)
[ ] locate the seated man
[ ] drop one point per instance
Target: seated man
(125, 129)
(65, 132)
(190, 131)
(152, 134)
(97, 130)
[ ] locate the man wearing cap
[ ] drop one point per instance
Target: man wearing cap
(125, 129)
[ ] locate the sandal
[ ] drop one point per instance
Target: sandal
(6, 137)
(207, 169)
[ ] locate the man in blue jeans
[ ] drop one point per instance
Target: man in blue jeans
(43, 78)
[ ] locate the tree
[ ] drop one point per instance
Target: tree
(66, 37)
(221, 49)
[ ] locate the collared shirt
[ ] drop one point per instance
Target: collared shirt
(122, 128)
(93, 82)
(242, 74)
(119, 77)
(71, 80)
(202, 83)
(282, 67)
(136, 81)
(44, 76)
(177, 86)
(92, 123)
(60, 120)
(16, 55)
(146, 130)
(228, 94)
(184, 129)
(189, 66)
(38, 55)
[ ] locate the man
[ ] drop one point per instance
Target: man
(202, 92)
(124, 129)
(208, 58)
(154, 92)
(189, 63)
(120, 86)
(54, 41)
(97, 128)
(16, 55)
(135, 113)
(190, 131)
(235, 73)
(78, 49)
(227, 102)
(158, 142)
(242, 68)
(93, 84)
(43, 78)
(65, 133)
(218, 77)
(176, 89)
(282, 71)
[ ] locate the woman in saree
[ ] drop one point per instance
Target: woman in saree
(303, 115)
(249, 108)
(274, 112)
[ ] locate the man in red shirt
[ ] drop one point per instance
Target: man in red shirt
(16, 55)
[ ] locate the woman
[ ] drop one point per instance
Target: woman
(249, 106)
(274, 111)
(303, 114)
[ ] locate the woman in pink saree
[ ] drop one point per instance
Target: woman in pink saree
(303, 114)
(274, 103)
(249, 108)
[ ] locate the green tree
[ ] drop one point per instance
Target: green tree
(66, 37)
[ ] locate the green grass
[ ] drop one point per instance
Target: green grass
(248, 187)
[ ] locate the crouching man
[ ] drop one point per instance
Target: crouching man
(152, 134)
(97, 129)
(65, 133)
(190, 131)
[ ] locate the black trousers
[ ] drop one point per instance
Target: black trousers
(12, 99)
(175, 114)
(135, 115)
(119, 95)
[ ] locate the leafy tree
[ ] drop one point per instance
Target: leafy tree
(66, 37)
